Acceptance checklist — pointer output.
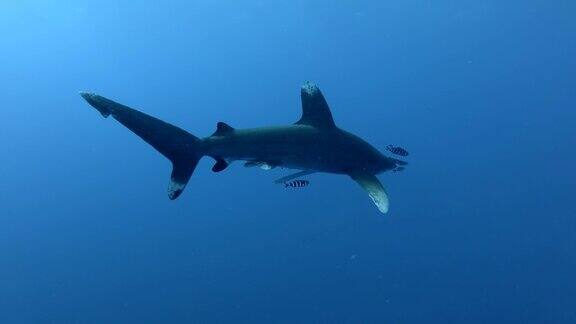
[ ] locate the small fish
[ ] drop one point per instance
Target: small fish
(399, 162)
(398, 169)
(296, 183)
(397, 150)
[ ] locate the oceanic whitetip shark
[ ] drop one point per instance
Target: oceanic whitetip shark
(313, 144)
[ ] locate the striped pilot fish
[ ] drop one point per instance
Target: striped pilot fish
(296, 183)
(397, 150)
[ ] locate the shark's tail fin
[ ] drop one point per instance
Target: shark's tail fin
(180, 147)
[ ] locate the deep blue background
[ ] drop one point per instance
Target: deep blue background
(482, 227)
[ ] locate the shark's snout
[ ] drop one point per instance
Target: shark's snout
(386, 164)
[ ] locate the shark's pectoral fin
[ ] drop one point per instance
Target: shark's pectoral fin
(315, 110)
(374, 189)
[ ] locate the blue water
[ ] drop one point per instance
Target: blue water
(482, 223)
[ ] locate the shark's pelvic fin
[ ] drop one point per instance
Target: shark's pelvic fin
(315, 110)
(293, 176)
(180, 147)
(223, 129)
(374, 189)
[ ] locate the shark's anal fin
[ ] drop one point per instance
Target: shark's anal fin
(293, 176)
(315, 110)
(223, 129)
(374, 189)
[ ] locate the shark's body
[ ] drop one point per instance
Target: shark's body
(301, 147)
(313, 144)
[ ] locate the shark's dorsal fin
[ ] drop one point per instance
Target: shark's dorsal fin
(315, 110)
(223, 129)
